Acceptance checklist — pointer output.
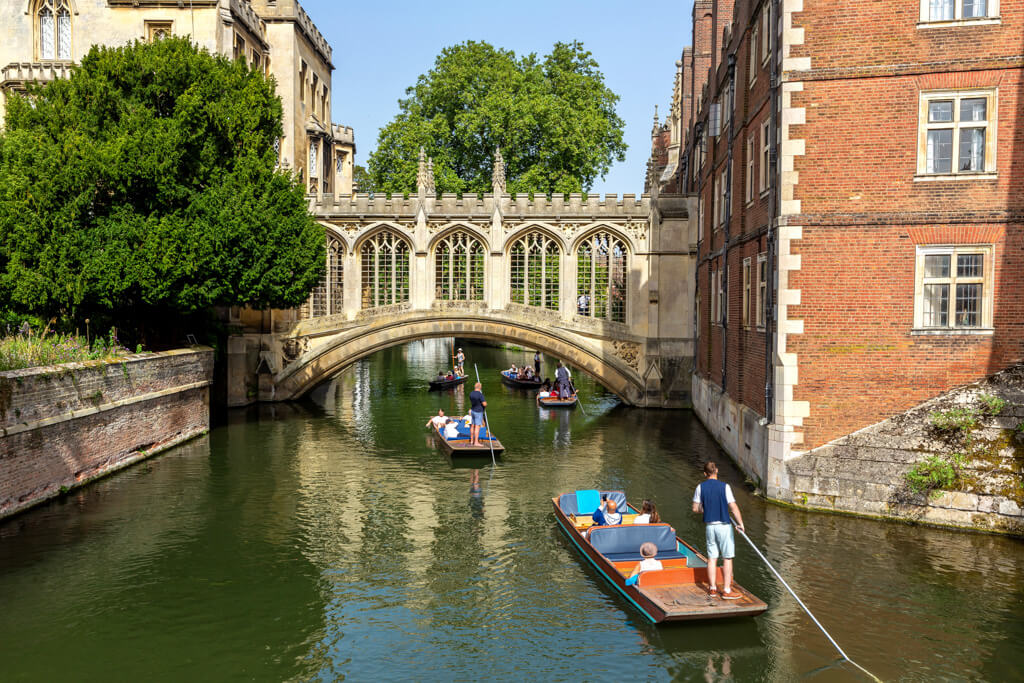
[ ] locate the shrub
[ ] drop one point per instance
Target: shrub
(963, 419)
(27, 349)
(934, 473)
(991, 405)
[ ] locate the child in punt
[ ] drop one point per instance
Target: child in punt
(648, 564)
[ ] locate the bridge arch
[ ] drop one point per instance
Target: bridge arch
(446, 230)
(526, 228)
(327, 359)
(590, 230)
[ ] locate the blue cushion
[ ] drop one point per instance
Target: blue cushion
(567, 502)
(587, 501)
(636, 557)
(613, 540)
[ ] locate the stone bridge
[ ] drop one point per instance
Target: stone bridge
(604, 284)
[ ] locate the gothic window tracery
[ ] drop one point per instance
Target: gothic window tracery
(53, 26)
(327, 297)
(385, 270)
(459, 268)
(601, 267)
(534, 261)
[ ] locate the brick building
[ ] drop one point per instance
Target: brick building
(859, 170)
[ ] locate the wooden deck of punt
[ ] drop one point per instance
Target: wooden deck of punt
(559, 402)
(519, 383)
(437, 385)
(676, 593)
(462, 447)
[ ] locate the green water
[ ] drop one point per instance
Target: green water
(330, 540)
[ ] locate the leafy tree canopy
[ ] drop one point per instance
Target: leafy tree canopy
(145, 185)
(553, 118)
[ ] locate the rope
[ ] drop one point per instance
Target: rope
(801, 603)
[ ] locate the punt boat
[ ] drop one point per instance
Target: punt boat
(460, 446)
(678, 592)
(550, 402)
(439, 384)
(509, 379)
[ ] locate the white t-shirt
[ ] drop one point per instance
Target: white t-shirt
(439, 421)
(642, 519)
(650, 564)
(728, 494)
(543, 394)
(451, 431)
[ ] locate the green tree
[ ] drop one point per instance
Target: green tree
(553, 118)
(144, 187)
(361, 179)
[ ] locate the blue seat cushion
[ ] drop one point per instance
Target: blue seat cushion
(636, 557)
(588, 500)
(568, 505)
(616, 540)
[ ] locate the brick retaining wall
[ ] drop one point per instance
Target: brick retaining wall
(63, 426)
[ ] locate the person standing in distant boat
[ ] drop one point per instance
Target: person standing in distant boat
(536, 363)
(476, 411)
(715, 501)
(460, 360)
(562, 380)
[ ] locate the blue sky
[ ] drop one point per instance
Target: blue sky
(381, 48)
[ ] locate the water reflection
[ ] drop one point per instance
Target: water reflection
(332, 539)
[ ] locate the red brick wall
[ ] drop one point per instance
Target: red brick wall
(863, 213)
(65, 425)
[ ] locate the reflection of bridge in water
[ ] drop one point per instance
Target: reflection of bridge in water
(604, 284)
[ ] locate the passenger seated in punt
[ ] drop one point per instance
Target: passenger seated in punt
(440, 375)
(607, 514)
(451, 430)
(648, 551)
(648, 513)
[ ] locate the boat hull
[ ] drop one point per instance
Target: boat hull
(519, 383)
(436, 385)
(558, 402)
(669, 603)
(461, 447)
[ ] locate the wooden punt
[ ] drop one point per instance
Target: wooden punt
(559, 402)
(461, 447)
(438, 385)
(679, 592)
(509, 380)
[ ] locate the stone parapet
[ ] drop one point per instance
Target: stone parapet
(448, 204)
(63, 426)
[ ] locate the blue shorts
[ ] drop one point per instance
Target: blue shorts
(477, 419)
(720, 541)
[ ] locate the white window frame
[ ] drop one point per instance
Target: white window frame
(991, 15)
(745, 314)
(752, 61)
(762, 290)
(724, 197)
(991, 95)
(714, 295)
(765, 181)
(751, 153)
(986, 282)
(766, 33)
(722, 307)
(700, 219)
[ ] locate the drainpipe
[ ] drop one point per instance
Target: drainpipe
(698, 129)
(730, 102)
(774, 197)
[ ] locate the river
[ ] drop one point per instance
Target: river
(330, 539)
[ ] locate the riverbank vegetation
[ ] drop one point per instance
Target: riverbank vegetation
(28, 348)
(956, 428)
(145, 190)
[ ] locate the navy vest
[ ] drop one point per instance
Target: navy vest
(712, 497)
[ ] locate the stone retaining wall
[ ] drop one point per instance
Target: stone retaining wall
(63, 426)
(865, 472)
